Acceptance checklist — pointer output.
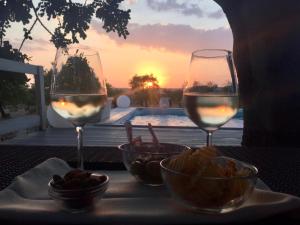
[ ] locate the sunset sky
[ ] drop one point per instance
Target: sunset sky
(163, 33)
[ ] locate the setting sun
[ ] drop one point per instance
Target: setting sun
(156, 70)
(148, 84)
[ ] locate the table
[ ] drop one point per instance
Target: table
(107, 135)
(279, 168)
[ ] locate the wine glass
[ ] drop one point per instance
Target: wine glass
(78, 89)
(211, 92)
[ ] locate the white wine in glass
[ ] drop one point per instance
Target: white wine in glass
(211, 94)
(78, 89)
(79, 109)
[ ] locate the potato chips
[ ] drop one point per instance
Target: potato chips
(202, 185)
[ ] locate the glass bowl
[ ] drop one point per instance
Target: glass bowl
(143, 161)
(80, 199)
(210, 194)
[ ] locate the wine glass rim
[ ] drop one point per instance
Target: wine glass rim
(200, 53)
(91, 52)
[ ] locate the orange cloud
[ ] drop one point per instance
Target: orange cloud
(173, 37)
(163, 50)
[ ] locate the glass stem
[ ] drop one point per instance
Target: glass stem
(79, 131)
(208, 138)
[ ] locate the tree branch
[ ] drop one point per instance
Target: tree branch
(59, 22)
(38, 18)
(28, 32)
(1, 36)
(1, 40)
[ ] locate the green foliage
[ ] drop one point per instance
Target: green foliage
(175, 96)
(113, 18)
(208, 87)
(76, 76)
(113, 92)
(74, 18)
(13, 11)
(143, 94)
(8, 52)
(211, 87)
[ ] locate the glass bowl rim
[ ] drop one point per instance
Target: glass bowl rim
(89, 189)
(185, 147)
(223, 53)
(254, 170)
(60, 196)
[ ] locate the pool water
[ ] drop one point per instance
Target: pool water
(163, 120)
(170, 117)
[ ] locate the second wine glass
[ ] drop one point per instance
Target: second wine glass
(211, 92)
(78, 89)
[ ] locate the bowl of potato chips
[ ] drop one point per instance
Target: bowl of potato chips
(205, 181)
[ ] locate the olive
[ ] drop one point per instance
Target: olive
(73, 173)
(153, 170)
(57, 179)
(137, 167)
(72, 184)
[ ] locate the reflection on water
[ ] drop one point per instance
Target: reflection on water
(176, 121)
(169, 117)
(162, 120)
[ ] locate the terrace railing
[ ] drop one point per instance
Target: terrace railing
(37, 71)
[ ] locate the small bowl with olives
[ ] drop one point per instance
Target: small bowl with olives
(143, 160)
(77, 190)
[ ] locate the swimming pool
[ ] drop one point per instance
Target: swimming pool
(174, 117)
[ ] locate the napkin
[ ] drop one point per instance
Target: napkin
(126, 201)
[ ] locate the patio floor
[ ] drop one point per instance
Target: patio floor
(15, 125)
(114, 136)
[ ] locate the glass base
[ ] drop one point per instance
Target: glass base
(229, 207)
